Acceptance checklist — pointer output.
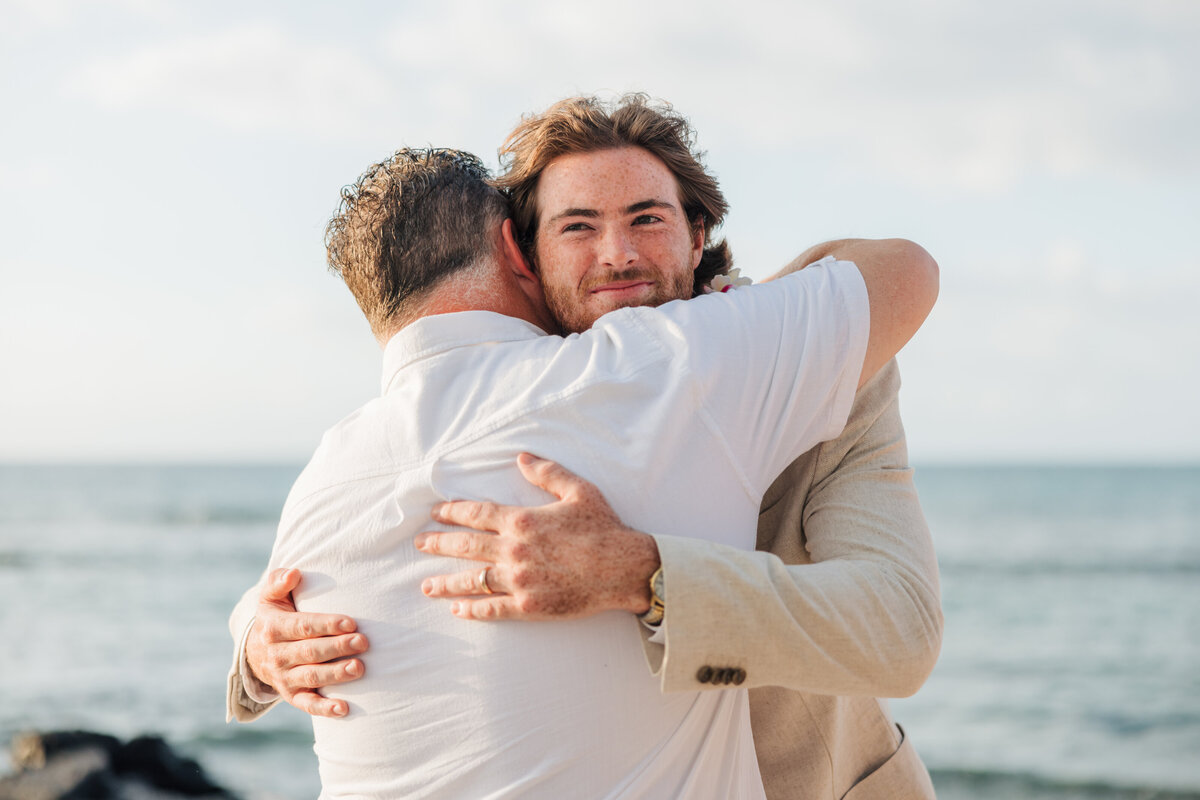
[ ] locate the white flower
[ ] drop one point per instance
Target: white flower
(723, 283)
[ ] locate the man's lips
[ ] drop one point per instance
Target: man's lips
(621, 286)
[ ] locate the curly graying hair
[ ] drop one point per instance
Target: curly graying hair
(407, 223)
(588, 124)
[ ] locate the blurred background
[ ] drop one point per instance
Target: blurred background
(171, 346)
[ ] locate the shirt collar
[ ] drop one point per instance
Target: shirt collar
(438, 333)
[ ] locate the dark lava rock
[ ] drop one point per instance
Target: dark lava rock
(82, 765)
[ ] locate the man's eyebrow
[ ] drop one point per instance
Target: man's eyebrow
(648, 204)
(573, 212)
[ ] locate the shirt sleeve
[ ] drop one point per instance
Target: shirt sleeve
(776, 365)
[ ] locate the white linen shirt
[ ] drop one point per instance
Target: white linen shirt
(682, 415)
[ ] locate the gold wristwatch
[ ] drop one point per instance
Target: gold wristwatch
(654, 616)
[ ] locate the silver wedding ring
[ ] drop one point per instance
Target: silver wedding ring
(483, 581)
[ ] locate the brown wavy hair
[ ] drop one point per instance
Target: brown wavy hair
(408, 222)
(588, 124)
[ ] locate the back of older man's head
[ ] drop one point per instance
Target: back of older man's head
(407, 223)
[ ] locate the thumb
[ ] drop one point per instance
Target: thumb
(551, 476)
(279, 586)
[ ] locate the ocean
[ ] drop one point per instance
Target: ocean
(1070, 667)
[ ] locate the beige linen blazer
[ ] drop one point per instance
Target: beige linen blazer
(838, 606)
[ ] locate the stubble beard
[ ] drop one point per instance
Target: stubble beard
(569, 305)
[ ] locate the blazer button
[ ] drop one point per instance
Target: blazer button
(739, 677)
(705, 674)
(723, 676)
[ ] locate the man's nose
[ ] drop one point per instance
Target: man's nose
(616, 248)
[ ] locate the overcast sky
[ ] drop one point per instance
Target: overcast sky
(167, 169)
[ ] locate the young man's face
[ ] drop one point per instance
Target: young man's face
(611, 234)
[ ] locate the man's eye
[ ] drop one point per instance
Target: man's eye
(574, 226)
(646, 219)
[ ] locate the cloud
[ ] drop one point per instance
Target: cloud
(254, 77)
(938, 95)
(25, 16)
(981, 100)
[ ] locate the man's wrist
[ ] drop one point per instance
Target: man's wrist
(255, 688)
(644, 561)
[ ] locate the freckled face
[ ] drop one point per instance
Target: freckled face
(611, 233)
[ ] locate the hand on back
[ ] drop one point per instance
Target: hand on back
(570, 558)
(297, 653)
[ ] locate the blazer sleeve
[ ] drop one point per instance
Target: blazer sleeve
(239, 704)
(846, 601)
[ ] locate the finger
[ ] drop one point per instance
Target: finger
(317, 676)
(295, 626)
(482, 516)
(279, 586)
(488, 609)
(459, 544)
(318, 651)
(553, 477)
(462, 584)
(314, 704)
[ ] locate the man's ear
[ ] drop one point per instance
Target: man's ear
(527, 280)
(697, 241)
(514, 257)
